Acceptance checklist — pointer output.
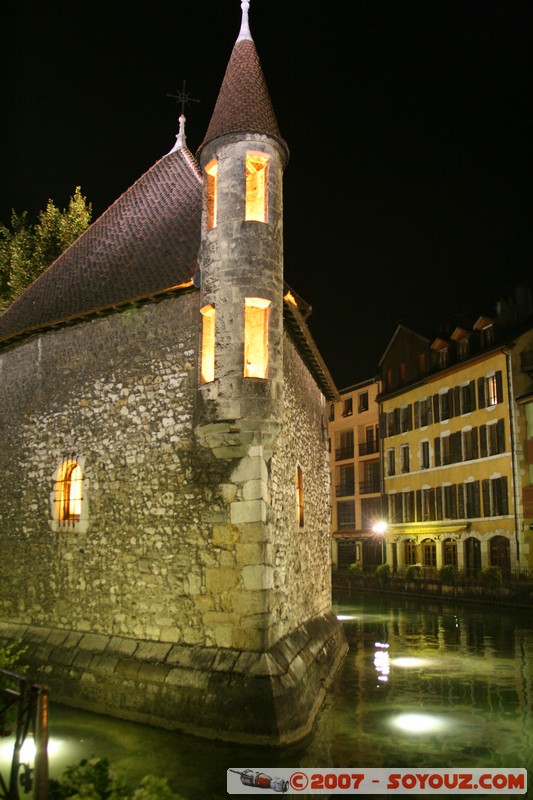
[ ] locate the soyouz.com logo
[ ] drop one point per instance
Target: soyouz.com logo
(377, 781)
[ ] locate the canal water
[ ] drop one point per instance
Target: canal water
(424, 684)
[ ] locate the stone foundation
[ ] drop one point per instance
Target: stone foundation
(267, 698)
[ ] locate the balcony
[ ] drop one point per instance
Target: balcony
(345, 490)
(366, 448)
(369, 487)
(342, 453)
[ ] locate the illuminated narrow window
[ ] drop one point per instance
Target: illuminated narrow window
(300, 496)
(211, 174)
(256, 187)
(208, 344)
(68, 495)
(255, 337)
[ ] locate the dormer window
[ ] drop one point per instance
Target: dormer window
(487, 336)
(256, 187)
(211, 178)
(255, 337)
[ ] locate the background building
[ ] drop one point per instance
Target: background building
(455, 433)
(356, 476)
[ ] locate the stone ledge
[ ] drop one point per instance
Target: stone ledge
(256, 697)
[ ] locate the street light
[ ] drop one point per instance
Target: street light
(380, 529)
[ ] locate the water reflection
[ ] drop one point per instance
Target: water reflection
(423, 685)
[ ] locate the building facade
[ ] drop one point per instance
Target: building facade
(165, 477)
(355, 467)
(454, 433)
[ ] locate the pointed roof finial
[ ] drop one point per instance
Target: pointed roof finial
(245, 29)
(183, 98)
(181, 139)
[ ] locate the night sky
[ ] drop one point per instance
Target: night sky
(408, 191)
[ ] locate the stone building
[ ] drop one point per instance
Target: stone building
(164, 493)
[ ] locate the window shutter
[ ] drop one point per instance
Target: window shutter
(486, 497)
(500, 433)
(429, 411)
(397, 425)
(472, 393)
(455, 447)
(436, 407)
(483, 441)
(476, 498)
(454, 489)
(436, 443)
(417, 413)
(438, 501)
(456, 400)
(432, 503)
(475, 446)
(409, 417)
(382, 425)
(504, 494)
(419, 504)
(450, 404)
(481, 392)
(461, 500)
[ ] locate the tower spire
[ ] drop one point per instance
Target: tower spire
(245, 28)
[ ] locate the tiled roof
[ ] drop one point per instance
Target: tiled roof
(144, 244)
(243, 103)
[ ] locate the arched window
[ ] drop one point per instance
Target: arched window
(449, 552)
(429, 553)
(68, 492)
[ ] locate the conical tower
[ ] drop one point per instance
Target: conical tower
(242, 157)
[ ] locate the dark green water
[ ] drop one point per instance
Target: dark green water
(423, 685)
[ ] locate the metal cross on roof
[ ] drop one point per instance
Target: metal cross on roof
(183, 97)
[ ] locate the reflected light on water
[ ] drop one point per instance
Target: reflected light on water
(410, 661)
(27, 751)
(345, 617)
(418, 723)
(382, 661)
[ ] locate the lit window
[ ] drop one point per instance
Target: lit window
(256, 187)
(491, 390)
(363, 402)
(208, 344)
(211, 171)
(255, 337)
(347, 408)
(68, 492)
(300, 496)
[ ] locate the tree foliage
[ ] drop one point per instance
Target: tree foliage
(26, 249)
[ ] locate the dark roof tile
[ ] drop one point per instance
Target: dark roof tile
(145, 243)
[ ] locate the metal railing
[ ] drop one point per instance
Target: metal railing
(25, 708)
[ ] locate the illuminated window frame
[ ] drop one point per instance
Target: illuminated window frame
(300, 496)
(69, 496)
(207, 358)
(211, 181)
(256, 205)
(256, 337)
